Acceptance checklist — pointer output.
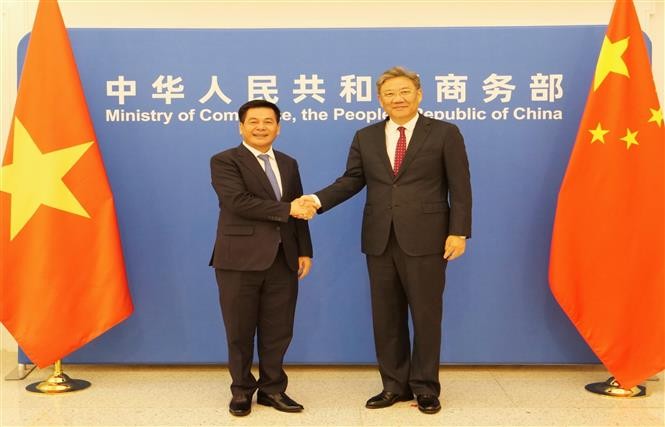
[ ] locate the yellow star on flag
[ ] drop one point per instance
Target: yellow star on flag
(35, 178)
(598, 134)
(610, 60)
(656, 116)
(630, 138)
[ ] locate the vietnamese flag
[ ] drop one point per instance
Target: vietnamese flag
(607, 259)
(63, 275)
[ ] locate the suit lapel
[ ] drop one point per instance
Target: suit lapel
(251, 162)
(418, 138)
(285, 174)
(379, 135)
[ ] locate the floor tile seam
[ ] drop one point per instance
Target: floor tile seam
(505, 392)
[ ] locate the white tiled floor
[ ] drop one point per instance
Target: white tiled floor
(198, 395)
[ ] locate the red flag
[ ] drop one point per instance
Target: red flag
(607, 259)
(63, 275)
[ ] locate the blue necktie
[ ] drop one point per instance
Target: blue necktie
(271, 175)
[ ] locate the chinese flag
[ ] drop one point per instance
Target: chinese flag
(607, 257)
(63, 275)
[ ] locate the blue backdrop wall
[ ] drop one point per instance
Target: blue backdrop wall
(163, 102)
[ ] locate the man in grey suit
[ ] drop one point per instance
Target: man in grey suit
(417, 218)
(262, 248)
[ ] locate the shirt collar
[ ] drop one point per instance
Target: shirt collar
(410, 125)
(257, 153)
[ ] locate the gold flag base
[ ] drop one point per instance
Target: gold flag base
(59, 382)
(612, 388)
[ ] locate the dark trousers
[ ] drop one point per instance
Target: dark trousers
(400, 282)
(261, 302)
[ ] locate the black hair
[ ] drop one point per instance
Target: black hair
(257, 103)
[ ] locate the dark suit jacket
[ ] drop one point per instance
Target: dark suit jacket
(428, 200)
(251, 222)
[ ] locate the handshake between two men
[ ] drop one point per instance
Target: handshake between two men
(304, 207)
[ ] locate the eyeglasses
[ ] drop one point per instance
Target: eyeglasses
(404, 93)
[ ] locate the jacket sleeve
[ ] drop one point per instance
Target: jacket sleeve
(303, 236)
(347, 185)
(233, 194)
(459, 183)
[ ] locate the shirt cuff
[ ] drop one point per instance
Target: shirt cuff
(316, 200)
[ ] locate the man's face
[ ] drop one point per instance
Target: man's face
(400, 99)
(260, 128)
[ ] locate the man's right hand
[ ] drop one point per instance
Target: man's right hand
(303, 208)
(311, 199)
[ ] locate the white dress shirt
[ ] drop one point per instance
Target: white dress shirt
(392, 135)
(273, 162)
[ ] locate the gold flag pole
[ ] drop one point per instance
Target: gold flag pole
(612, 388)
(59, 382)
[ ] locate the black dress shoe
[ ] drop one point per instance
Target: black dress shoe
(240, 405)
(428, 403)
(387, 398)
(279, 401)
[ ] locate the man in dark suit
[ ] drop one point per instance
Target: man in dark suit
(260, 252)
(417, 218)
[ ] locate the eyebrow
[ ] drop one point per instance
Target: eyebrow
(253, 119)
(399, 89)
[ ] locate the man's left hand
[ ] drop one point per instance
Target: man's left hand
(455, 247)
(304, 265)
